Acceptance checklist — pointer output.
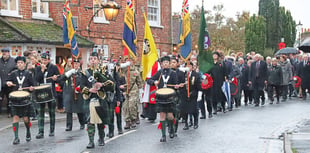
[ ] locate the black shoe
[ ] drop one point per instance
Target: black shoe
(69, 129)
(256, 105)
(196, 126)
(210, 116)
(120, 131)
(82, 127)
(186, 127)
(16, 141)
(40, 136)
(202, 117)
(111, 135)
(171, 135)
(142, 116)
(163, 139)
(250, 102)
(90, 145)
(51, 134)
(214, 113)
(101, 142)
(271, 103)
(28, 137)
(283, 100)
(190, 124)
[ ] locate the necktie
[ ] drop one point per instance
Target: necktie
(257, 69)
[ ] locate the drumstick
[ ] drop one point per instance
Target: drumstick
(52, 77)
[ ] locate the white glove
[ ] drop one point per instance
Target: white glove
(124, 65)
(184, 69)
(203, 77)
(70, 72)
(199, 98)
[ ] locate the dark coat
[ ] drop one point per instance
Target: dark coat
(189, 105)
(17, 73)
(258, 81)
(275, 75)
(73, 102)
(304, 74)
(159, 77)
(218, 73)
(51, 70)
(244, 79)
(5, 68)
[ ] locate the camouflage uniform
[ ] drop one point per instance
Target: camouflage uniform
(130, 106)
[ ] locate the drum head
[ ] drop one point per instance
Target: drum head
(19, 94)
(165, 91)
(42, 86)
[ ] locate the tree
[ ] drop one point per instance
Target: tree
(255, 34)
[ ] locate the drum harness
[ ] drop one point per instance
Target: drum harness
(20, 80)
(165, 78)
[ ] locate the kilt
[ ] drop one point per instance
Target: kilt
(166, 108)
(23, 111)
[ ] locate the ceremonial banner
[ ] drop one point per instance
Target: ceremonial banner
(129, 33)
(69, 31)
(185, 42)
(149, 53)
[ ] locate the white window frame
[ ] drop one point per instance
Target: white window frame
(100, 19)
(9, 12)
(158, 22)
(39, 15)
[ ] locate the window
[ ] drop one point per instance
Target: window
(153, 12)
(99, 18)
(9, 7)
(39, 9)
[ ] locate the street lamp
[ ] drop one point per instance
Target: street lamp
(111, 10)
(299, 25)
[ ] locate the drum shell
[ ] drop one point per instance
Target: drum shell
(43, 95)
(165, 98)
(19, 101)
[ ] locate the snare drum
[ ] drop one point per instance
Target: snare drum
(19, 98)
(43, 94)
(165, 96)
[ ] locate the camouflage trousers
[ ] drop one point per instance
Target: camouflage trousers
(51, 110)
(130, 108)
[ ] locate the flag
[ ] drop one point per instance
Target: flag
(149, 91)
(69, 31)
(129, 33)
(149, 53)
(185, 42)
(204, 57)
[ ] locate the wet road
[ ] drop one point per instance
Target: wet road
(246, 130)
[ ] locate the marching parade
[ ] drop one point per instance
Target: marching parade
(177, 88)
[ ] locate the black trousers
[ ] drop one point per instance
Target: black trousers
(81, 118)
(284, 91)
(60, 103)
(5, 99)
(195, 117)
(271, 89)
(248, 96)
(206, 97)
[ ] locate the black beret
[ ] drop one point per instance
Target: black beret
(45, 55)
(20, 58)
(94, 54)
(217, 53)
(190, 63)
(174, 58)
(165, 58)
(6, 49)
(77, 60)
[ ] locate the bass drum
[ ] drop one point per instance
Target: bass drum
(19, 98)
(43, 94)
(165, 96)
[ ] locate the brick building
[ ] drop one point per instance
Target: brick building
(107, 36)
(27, 25)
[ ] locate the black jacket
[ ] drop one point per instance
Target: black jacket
(275, 75)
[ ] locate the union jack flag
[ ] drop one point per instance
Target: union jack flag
(130, 3)
(185, 7)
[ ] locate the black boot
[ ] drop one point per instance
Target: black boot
(90, 145)
(40, 135)
(16, 141)
(186, 127)
(163, 139)
(28, 135)
(69, 122)
(171, 129)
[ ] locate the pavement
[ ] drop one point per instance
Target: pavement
(298, 140)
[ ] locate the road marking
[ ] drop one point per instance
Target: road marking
(118, 136)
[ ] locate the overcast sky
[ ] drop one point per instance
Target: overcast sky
(299, 8)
